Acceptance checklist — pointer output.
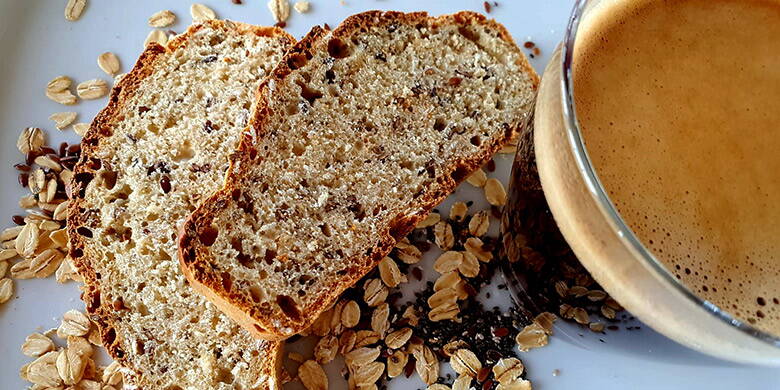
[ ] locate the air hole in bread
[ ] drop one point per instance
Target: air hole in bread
(468, 34)
(184, 152)
(308, 93)
(296, 60)
(84, 232)
(224, 376)
(475, 140)
(288, 307)
(292, 108)
(338, 49)
(325, 229)
(459, 174)
(256, 293)
(298, 149)
(227, 281)
(108, 178)
(208, 235)
(153, 128)
(439, 124)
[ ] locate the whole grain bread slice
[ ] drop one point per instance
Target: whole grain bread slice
(160, 145)
(357, 135)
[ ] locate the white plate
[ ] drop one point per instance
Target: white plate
(37, 44)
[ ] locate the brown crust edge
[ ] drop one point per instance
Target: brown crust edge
(101, 127)
(195, 258)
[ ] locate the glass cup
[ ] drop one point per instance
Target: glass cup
(601, 240)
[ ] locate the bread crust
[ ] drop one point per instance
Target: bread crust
(102, 313)
(196, 259)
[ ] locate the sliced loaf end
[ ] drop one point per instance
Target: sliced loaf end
(358, 134)
(149, 157)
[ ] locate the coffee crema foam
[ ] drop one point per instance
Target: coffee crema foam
(679, 105)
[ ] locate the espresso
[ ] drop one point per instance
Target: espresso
(679, 106)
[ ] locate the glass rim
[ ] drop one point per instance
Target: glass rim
(604, 203)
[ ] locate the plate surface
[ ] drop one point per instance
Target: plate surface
(39, 44)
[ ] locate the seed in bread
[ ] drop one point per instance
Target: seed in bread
(358, 134)
(149, 157)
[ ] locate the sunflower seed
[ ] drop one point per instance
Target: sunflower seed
(6, 290)
(326, 349)
(443, 236)
(479, 223)
(477, 179)
(74, 323)
(108, 62)
(63, 119)
(280, 10)
(398, 338)
(162, 19)
(92, 89)
(465, 362)
(448, 261)
(31, 138)
(74, 9)
(430, 220)
(494, 192)
(200, 12)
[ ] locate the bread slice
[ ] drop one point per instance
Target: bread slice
(160, 145)
(357, 135)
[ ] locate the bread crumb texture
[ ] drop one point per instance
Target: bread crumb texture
(359, 133)
(160, 146)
